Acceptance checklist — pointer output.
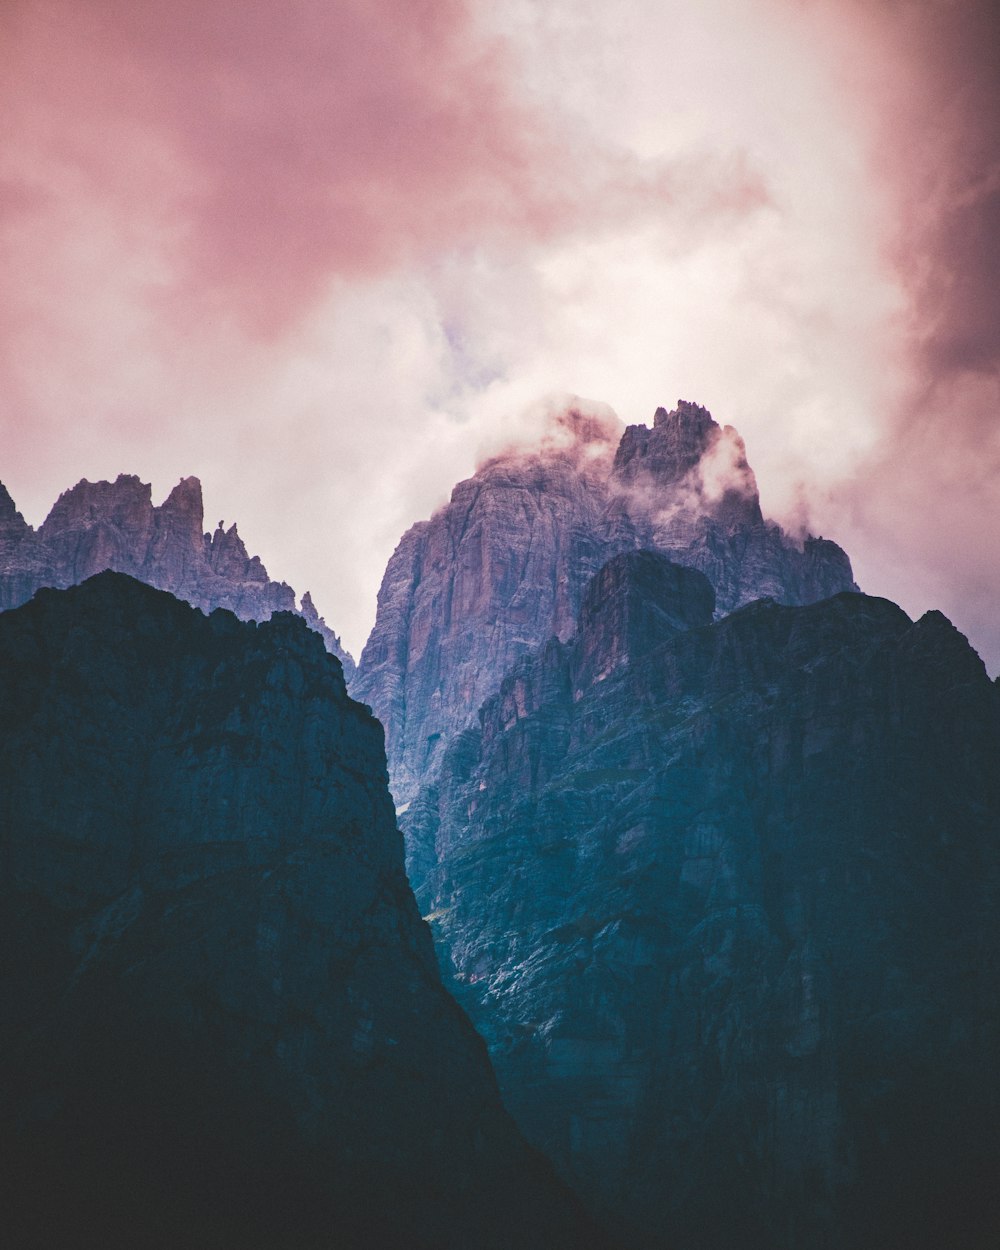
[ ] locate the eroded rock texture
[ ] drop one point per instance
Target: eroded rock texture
(723, 900)
(504, 565)
(114, 525)
(222, 1024)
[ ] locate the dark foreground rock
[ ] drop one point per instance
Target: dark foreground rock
(221, 1020)
(115, 525)
(724, 899)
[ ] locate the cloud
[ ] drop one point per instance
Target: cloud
(927, 75)
(922, 508)
(325, 255)
(271, 147)
(256, 153)
(245, 242)
(582, 432)
(723, 469)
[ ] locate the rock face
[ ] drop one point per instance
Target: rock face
(684, 487)
(222, 1021)
(723, 898)
(114, 525)
(504, 565)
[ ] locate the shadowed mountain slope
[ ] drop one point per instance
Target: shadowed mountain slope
(723, 899)
(222, 1023)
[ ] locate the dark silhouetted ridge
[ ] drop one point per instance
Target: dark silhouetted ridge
(222, 1021)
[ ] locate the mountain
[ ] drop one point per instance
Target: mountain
(503, 566)
(723, 897)
(222, 1020)
(114, 525)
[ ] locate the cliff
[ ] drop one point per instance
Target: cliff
(503, 566)
(722, 898)
(114, 525)
(222, 1020)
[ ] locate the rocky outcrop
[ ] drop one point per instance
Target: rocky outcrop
(504, 565)
(684, 487)
(635, 601)
(114, 525)
(222, 1021)
(722, 898)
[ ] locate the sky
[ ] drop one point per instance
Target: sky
(327, 257)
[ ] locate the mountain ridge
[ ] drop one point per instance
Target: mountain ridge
(94, 526)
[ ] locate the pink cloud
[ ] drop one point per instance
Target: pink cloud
(268, 148)
(248, 241)
(925, 505)
(938, 128)
(273, 145)
(201, 202)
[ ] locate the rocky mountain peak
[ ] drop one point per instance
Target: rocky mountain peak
(115, 525)
(686, 467)
(504, 565)
(8, 509)
(689, 427)
(185, 500)
(13, 526)
(228, 556)
(125, 503)
(671, 448)
(308, 612)
(691, 415)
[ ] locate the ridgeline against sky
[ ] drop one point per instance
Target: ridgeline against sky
(326, 258)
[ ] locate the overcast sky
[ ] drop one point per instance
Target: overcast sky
(327, 255)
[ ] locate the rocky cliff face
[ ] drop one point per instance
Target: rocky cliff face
(722, 898)
(222, 1021)
(504, 565)
(114, 525)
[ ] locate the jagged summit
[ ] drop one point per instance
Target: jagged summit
(13, 527)
(115, 525)
(185, 500)
(503, 566)
(686, 411)
(702, 464)
(8, 509)
(687, 425)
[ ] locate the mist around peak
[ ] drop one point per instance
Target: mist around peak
(582, 433)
